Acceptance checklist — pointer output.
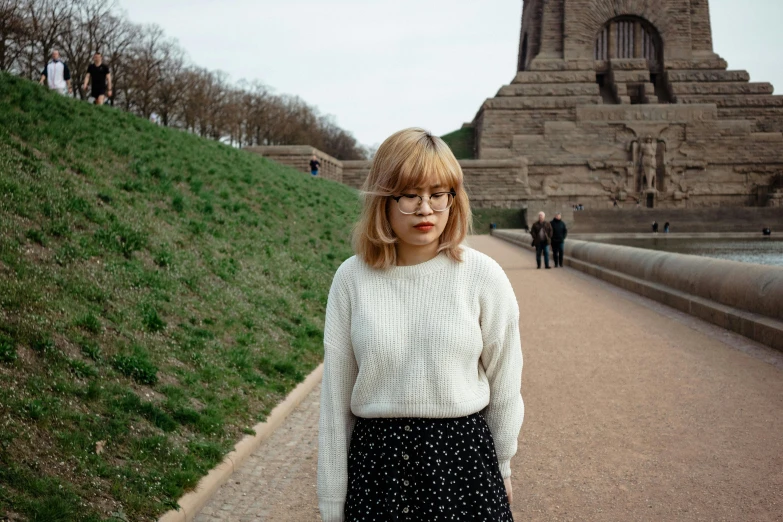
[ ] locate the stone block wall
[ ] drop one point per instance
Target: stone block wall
(496, 183)
(355, 172)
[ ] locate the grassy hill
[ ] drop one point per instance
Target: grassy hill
(461, 142)
(159, 294)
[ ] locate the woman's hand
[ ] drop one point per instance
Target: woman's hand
(509, 490)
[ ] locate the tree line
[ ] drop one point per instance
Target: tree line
(152, 74)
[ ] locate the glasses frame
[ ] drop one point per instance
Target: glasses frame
(452, 192)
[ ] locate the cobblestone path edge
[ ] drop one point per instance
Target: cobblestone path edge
(191, 503)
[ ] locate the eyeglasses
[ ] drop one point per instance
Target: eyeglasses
(439, 202)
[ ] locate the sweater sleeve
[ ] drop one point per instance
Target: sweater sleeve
(336, 421)
(502, 362)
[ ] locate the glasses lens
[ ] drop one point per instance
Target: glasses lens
(440, 201)
(409, 203)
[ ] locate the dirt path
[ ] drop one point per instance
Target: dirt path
(634, 412)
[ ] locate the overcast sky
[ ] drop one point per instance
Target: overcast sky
(382, 65)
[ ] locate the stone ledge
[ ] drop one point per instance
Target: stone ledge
(746, 100)
(759, 327)
(707, 76)
(721, 88)
(541, 102)
(550, 89)
(555, 77)
(543, 64)
(710, 63)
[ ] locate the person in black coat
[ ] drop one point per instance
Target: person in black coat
(559, 233)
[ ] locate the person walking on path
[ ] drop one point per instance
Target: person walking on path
(420, 404)
(542, 237)
(315, 165)
(100, 75)
(559, 233)
(666, 228)
(57, 75)
(655, 227)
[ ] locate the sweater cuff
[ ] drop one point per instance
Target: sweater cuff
(505, 468)
(332, 510)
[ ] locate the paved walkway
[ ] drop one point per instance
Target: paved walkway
(633, 412)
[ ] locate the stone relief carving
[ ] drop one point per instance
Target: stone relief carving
(644, 155)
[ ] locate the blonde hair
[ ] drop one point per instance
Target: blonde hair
(407, 159)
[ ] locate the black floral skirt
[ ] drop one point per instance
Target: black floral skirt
(415, 469)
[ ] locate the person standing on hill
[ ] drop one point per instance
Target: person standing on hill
(559, 233)
(314, 165)
(56, 75)
(542, 238)
(100, 75)
(420, 403)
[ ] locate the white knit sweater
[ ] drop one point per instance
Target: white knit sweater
(439, 339)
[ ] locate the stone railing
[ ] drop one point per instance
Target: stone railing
(299, 156)
(741, 297)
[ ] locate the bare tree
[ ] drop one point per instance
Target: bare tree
(145, 63)
(172, 82)
(117, 37)
(13, 29)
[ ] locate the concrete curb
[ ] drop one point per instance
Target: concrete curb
(191, 503)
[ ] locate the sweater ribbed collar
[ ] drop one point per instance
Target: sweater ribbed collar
(416, 271)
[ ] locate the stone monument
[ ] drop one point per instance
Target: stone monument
(626, 99)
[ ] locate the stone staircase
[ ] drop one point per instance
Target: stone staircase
(736, 97)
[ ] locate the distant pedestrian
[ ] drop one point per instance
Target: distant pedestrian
(559, 233)
(155, 118)
(614, 202)
(542, 238)
(666, 228)
(655, 227)
(99, 75)
(314, 165)
(57, 75)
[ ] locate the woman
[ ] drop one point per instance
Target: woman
(420, 402)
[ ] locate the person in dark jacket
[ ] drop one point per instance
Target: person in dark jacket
(542, 238)
(559, 233)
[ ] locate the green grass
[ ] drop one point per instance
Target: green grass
(502, 217)
(461, 142)
(159, 295)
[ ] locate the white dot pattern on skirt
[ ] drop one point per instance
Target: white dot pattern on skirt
(415, 469)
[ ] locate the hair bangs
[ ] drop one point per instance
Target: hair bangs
(428, 167)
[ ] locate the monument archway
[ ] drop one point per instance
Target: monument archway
(629, 37)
